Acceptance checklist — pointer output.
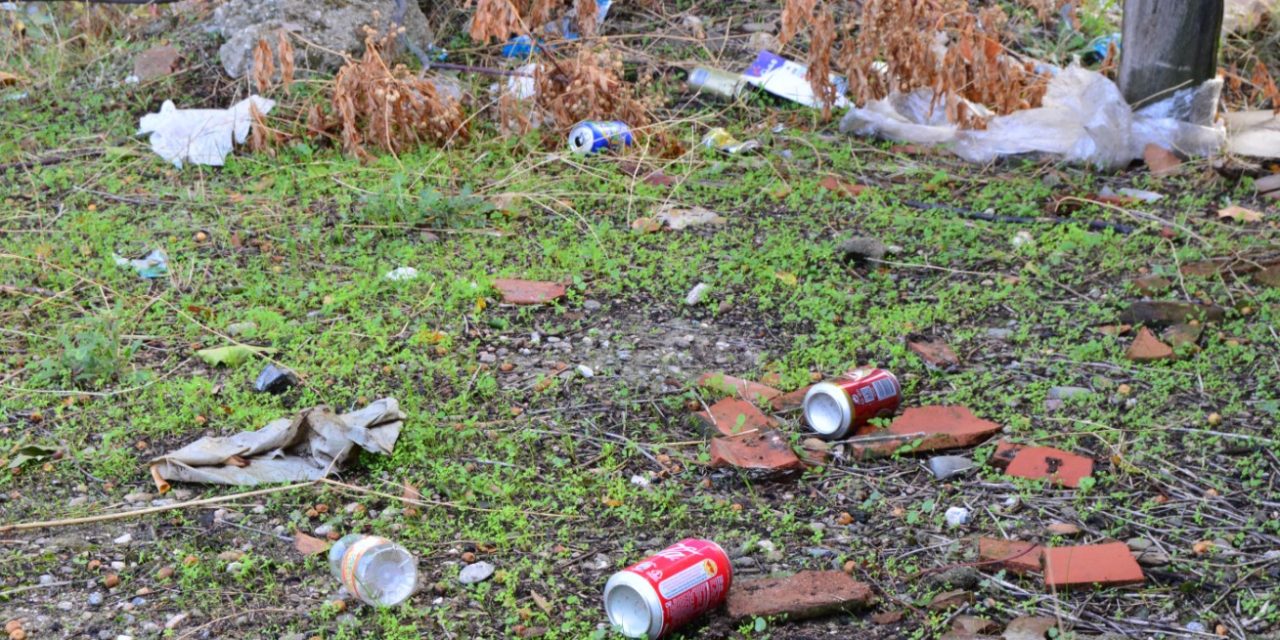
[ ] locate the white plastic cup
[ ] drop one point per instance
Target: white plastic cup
(377, 571)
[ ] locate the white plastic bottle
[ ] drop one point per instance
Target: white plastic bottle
(377, 571)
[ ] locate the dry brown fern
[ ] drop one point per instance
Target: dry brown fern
(796, 15)
(388, 107)
(264, 66)
(587, 86)
(496, 20)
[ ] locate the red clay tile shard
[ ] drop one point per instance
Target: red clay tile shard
(888, 617)
(528, 291)
(808, 594)
(1047, 463)
(1161, 161)
(935, 353)
(846, 189)
(731, 416)
(1029, 628)
(1014, 556)
(1107, 565)
(1004, 454)
(1148, 348)
(790, 401)
(763, 450)
(746, 389)
(934, 427)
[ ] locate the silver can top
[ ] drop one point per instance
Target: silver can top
(633, 606)
(828, 410)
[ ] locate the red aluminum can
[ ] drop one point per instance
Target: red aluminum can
(668, 589)
(835, 407)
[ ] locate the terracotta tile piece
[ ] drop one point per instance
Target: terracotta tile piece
(1014, 556)
(723, 417)
(765, 451)
(1108, 565)
(528, 291)
(807, 594)
(746, 389)
(1037, 463)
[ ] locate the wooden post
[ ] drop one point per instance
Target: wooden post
(1168, 44)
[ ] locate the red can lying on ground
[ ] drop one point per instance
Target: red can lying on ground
(835, 407)
(668, 589)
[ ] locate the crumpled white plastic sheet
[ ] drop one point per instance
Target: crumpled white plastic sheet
(1083, 118)
(200, 136)
(312, 445)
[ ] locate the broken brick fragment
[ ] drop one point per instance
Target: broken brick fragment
(528, 291)
(1047, 463)
(1014, 556)
(746, 389)
(935, 427)
(731, 416)
(936, 353)
(1004, 454)
(1148, 348)
(763, 450)
(790, 401)
(808, 594)
(1107, 565)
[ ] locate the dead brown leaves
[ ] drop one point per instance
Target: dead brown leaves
(893, 45)
(495, 19)
(388, 107)
(264, 63)
(588, 86)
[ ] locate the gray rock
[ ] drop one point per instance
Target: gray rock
(65, 606)
(999, 334)
(124, 539)
(334, 26)
(957, 516)
(770, 550)
(323, 530)
(234, 567)
(137, 496)
(46, 580)
(591, 305)
(955, 578)
(78, 501)
(488, 358)
(95, 599)
(862, 248)
(585, 371)
(240, 328)
(475, 572)
(819, 552)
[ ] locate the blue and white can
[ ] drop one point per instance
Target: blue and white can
(591, 136)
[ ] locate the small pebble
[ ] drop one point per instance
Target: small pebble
(46, 580)
(957, 516)
(323, 530)
(586, 372)
(591, 305)
(95, 599)
(124, 539)
(234, 567)
(696, 294)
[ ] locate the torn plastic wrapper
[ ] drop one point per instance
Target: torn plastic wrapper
(786, 79)
(309, 446)
(1083, 118)
(200, 136)
(153, 265)
(1253, 133)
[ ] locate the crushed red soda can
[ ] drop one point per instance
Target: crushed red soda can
(668, 589)
(835, 407)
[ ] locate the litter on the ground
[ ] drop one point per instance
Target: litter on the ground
(401, 273)
(1084, 119)
(274, 379)
(1253, 133)
(721, 140)
(733, 416)
(201, 136)
(724, 84)
(835, 407)
(1014, 556)
(762, 450)
(928, 428)
(309, 446)
(375, 570)
(948, 467)
(153, 265)
(786, 79)
(957, 516)
(669, 589)
(593, 136)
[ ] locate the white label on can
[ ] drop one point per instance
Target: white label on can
(687, 579)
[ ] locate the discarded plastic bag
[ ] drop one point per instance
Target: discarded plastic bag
(309, 446)
(1083, 118)
(1253, 133)
(200, 136)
